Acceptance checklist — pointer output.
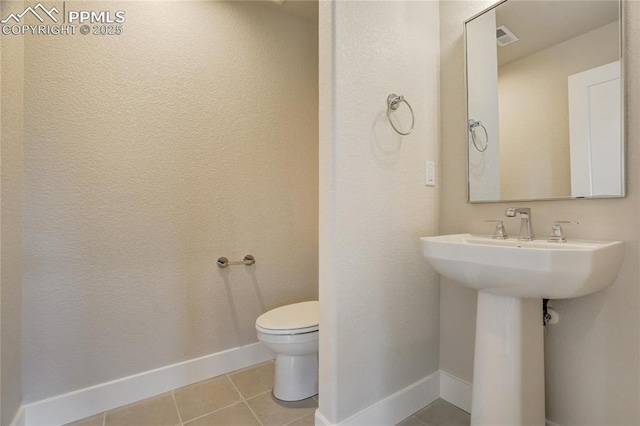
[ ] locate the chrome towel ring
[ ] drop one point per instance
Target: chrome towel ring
(393, 102)
(473, 125)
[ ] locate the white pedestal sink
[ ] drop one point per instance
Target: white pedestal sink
(512, 278)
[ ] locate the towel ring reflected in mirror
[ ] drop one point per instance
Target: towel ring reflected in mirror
(473, 126)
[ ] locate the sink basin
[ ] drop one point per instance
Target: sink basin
(525, 269)
(512, 277)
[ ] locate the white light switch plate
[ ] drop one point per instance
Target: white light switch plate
(430, 174)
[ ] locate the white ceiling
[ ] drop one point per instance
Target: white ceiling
(542, 24)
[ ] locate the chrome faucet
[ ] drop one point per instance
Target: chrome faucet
(526, 228)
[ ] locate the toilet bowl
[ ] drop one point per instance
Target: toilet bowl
(291, 332)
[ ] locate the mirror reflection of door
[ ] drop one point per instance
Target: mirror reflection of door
(594, 131)
(537, 46)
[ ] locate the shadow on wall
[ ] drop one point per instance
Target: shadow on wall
(384, 143)
(243, 337)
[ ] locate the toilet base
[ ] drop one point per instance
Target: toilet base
(296, 377)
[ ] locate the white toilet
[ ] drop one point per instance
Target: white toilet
(291, 332)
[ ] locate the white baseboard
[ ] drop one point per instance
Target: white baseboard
(106, 396)
(394, 408)
(455, 391)
(18, 420)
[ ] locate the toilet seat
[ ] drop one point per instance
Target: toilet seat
(298, 318)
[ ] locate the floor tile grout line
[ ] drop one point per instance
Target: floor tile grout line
(253, 412)
(175, 404)
(270, 391)
(244, 400)
(259, 394)
(296, 419)
(419, 421)
(213, 412)
(235, 387)
(226, 406)
(104, 418)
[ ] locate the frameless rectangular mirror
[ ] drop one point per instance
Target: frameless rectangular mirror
(545, 101)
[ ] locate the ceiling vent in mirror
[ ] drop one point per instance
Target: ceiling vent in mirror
(504, 36)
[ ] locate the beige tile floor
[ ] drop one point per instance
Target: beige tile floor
(438, 413)
(243, 398)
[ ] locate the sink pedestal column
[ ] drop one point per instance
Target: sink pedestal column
(508, 369)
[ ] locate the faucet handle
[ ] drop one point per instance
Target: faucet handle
(499, 233)
(557, 236)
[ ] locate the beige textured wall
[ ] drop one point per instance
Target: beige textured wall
(147, 156)
(534, 113)
(11, 179)
(592, 355)
(378, 296)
